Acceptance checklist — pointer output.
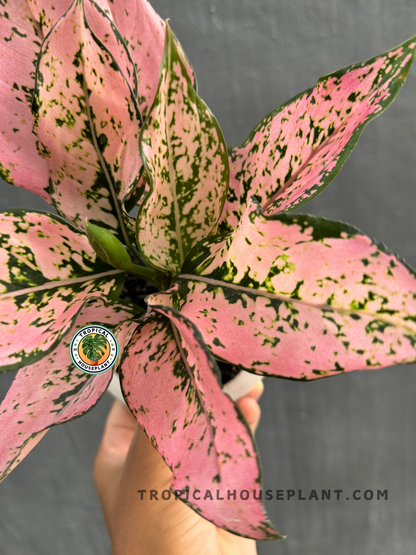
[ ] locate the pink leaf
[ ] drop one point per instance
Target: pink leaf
(142, 29)
(173, 387)
(48, 12)
(87, 123)
(105, 30)
(144, 33)
(48, 271)
(294, 153)
(185, 155)
(20, 40)
(298, 297)
(53, 391)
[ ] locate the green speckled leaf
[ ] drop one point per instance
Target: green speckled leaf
(87, 122)
(185, 156)
(20, 40)
(144, 32)
(296, 151)
(53, 391)
(172, 385)
(298, 297)
(48, 272)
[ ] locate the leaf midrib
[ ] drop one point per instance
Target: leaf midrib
(57, 283)
(262, 293)
(172, 177)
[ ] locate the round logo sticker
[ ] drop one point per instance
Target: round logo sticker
(94, 349)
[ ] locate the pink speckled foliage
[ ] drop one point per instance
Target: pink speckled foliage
(87, 141)
(188, 193)
(352, 308)
(294, 153)
(100, 113)
(51, 391)
(24, 24)
(168, 364)
(20, 163)
(48, 271)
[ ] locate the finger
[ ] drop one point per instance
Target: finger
(251, 411)
(112, 453)
(249, 406)
(144, 462)
(256, 391)
(137, 510)
(143, 517)
(145, 465)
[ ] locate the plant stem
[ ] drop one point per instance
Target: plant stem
(136, 252)
(148, 274)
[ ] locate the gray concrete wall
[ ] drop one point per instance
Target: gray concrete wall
(355, 431)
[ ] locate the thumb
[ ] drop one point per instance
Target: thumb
(112, 454)
(126, 462)
(248, 404)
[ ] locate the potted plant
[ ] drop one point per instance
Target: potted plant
(109, 121)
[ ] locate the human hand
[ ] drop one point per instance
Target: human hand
(127, 462)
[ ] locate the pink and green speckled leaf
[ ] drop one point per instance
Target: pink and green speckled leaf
(144, 33)
(173, 386)
(294, 153)
(139, 32)
(20, 40)
(47, 13)
(101, 24)
(48, 271)
(87, 124)
(299, 297)
(186, 159)
(53, 391)
(23, 26)
(111, 38)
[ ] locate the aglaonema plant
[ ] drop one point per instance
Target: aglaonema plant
(100, 114)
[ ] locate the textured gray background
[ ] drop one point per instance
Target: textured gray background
(353, 431)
